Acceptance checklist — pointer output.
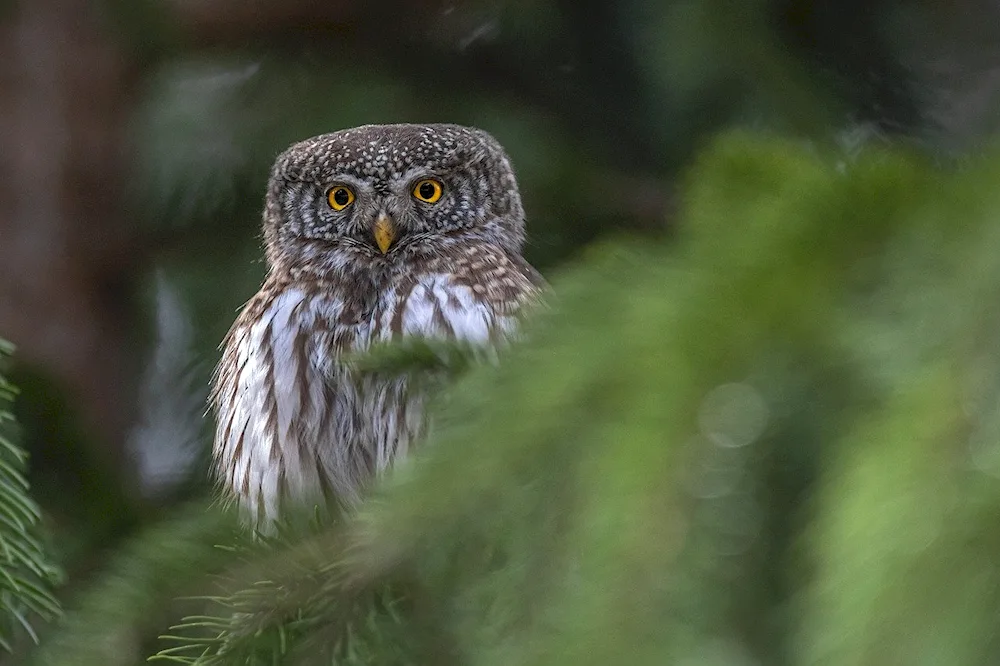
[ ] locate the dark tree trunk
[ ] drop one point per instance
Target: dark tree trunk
(64, 243)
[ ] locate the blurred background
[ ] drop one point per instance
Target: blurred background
(136, 138)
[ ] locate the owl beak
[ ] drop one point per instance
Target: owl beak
(385, 232)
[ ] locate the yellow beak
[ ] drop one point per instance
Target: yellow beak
(385, 232)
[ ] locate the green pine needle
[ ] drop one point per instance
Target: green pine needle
(27, 575)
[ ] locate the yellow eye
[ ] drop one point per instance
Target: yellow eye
(340, 197)
(428, 190)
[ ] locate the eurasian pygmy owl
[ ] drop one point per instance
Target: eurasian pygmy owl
(371, 234)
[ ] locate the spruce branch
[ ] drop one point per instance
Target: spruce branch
(109, 621)
(294, 599)
(421, 357)
(27, 575)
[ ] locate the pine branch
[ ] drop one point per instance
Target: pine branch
(111, 619)
(294, 600)
(27, 575)
(421, 357)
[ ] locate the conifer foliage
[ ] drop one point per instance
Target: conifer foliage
(26, 572)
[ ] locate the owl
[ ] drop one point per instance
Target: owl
(371, 234)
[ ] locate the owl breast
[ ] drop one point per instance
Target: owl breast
(294, 421)
(434, 306)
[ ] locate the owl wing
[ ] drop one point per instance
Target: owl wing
(276, 400)
(475, 296)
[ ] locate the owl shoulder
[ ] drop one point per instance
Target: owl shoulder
(281, 308)
(496, 276)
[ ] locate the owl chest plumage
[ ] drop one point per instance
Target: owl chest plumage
(295, 420)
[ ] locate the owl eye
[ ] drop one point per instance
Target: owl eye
(340, 197)
(428, 190)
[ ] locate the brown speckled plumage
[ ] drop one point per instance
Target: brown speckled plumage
(293, 422)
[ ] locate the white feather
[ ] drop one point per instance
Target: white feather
(435, 297)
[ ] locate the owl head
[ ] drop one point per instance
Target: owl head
(381, 196)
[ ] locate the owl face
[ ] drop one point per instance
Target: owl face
(382, 196)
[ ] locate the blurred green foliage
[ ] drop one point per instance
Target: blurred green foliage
(115, 619)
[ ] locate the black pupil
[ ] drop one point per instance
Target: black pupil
(427, 190)
(341, 197)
